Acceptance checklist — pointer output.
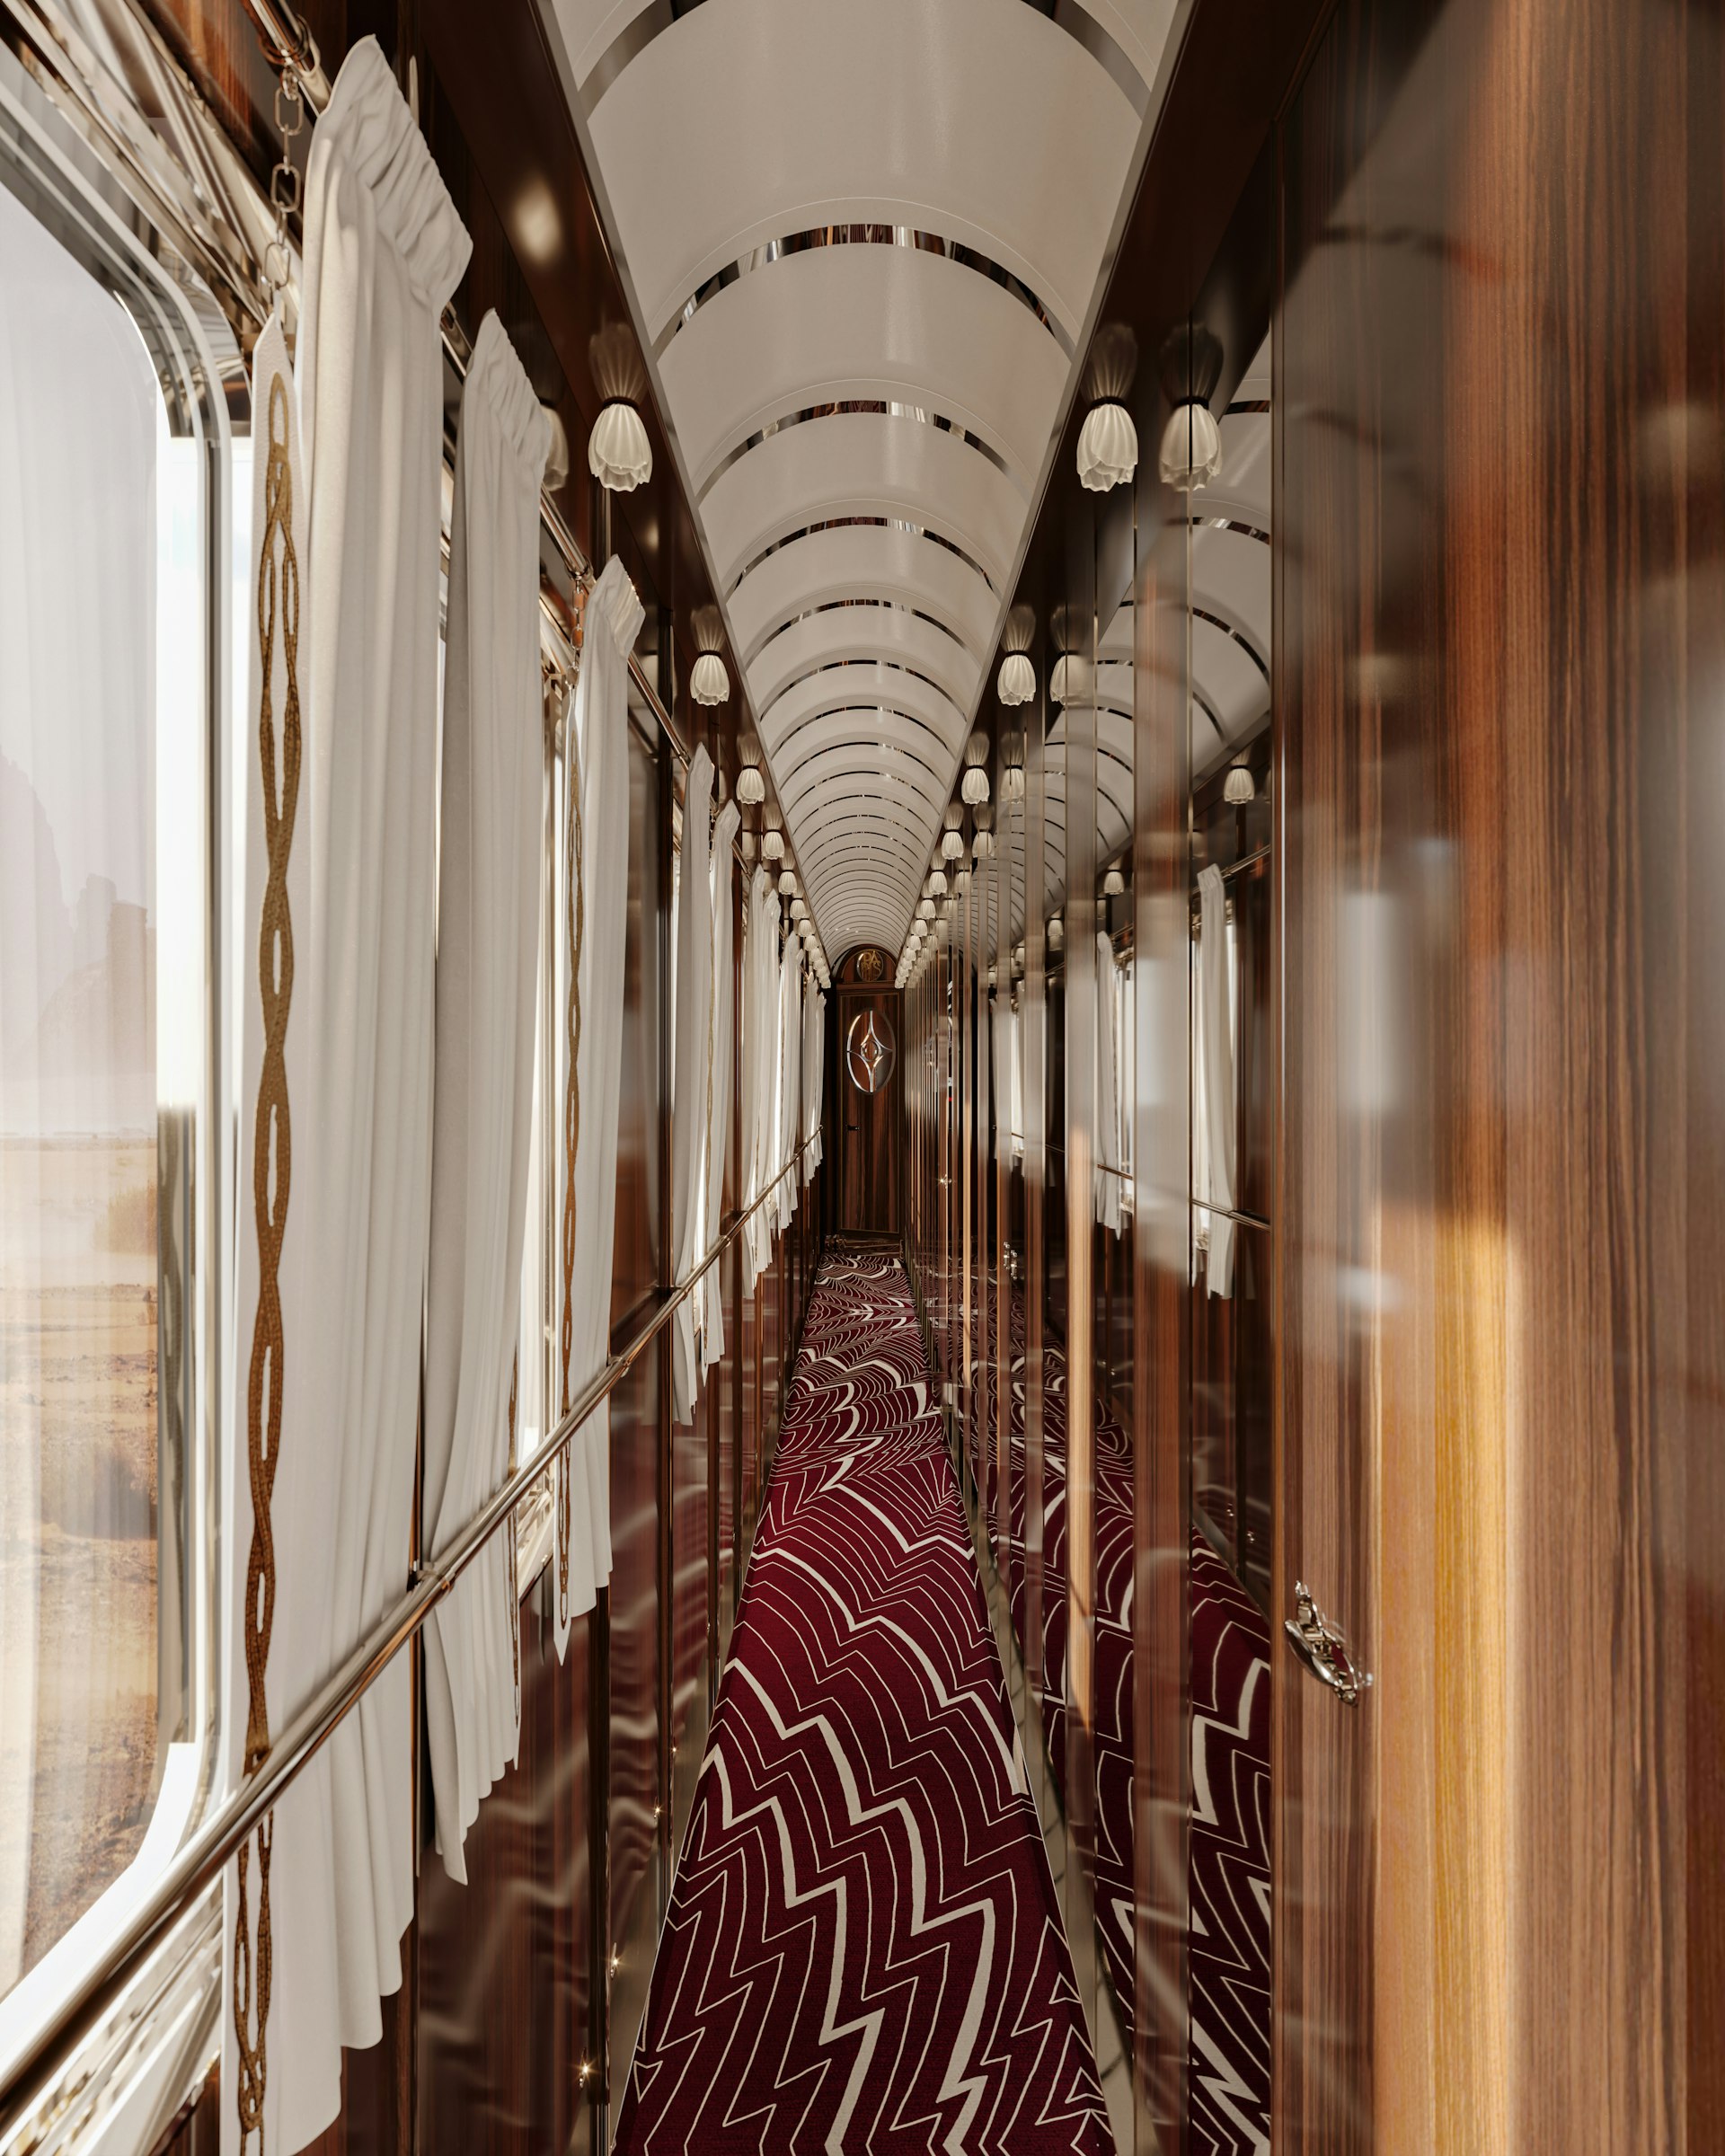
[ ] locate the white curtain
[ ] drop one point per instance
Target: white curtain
(692, 1079)
(383, 251)
(725, 1041)
(1003, 1051)
(761, 1025)
(1212, 1087)
(1108, 1103)
(814, 1033)
(580, 1555)
(790, 1072)
(488, 957)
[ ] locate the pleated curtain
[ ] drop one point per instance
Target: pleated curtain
(488, 956)
(598, 763)
(724, 1044)
(814, 1013)
(338, 1037)
(762, 1023)
(1213, 1164)
(790, 1072)
(1004, 1031)
(1108, 1104)
(692, 1079)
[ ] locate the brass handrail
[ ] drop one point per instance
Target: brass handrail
(200, 1864)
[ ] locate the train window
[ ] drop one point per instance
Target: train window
(105, 1581)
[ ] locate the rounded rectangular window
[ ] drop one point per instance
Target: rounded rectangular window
(106, 579)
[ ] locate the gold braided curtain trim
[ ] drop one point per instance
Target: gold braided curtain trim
(574, 925)
(273, 1144)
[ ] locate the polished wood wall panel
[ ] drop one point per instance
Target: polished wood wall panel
(1500, 632)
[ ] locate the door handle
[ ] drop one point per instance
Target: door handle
(1323, 1649)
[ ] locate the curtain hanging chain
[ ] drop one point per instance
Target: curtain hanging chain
(284, 180)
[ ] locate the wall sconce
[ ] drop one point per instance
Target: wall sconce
(1191, 447)
(1113, 885)
(618, 454)
(773, 845)
(709, 684)
(751, 787)
(1238, 789)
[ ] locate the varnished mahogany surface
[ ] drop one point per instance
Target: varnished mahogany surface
(1499, 644)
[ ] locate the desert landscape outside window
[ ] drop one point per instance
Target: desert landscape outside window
(102, 574)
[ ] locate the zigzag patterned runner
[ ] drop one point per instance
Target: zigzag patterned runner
(864, 1951)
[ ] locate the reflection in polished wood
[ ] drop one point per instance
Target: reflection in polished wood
(1500, 618)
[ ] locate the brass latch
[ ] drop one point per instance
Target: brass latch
(1321, 1646)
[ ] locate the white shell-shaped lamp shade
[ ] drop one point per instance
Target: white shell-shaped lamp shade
(1191, 448)
(710, 683)
(924, 909)
(1108, 447)
(788, 884)
(618, 453)
(975, 788)
(961, 882)
(1056, 932)
(751, 787)
(937, 883)
(982, 846)
(1017, 681)
(952, 846)
(799, 910)
(1012, 782)
(773, 845)
(1018, 958)
(1237, 789)
(1113, 885)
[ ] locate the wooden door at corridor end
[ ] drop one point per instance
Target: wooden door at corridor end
(867, 1092)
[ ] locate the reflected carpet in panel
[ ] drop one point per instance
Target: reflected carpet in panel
(863, 1950)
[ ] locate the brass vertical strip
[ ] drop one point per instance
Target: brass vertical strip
(278, 601)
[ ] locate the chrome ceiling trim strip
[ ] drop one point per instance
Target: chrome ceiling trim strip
(838, 606)
(1083, 29)
(838, 666)
(863, 233)
(1223, 524)
(1079, 25)
(833, 524)
(863, 408)
(876, 710)
(1202, 613)
(630, 41)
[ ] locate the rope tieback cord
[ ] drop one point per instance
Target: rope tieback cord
(277, 618)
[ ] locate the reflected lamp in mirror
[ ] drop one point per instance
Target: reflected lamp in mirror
(1238, 789)
(1191, 447)
(1108, 447)
(1114, 885)
(1016, 681)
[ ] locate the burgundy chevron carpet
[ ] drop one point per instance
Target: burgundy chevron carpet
(864, 1951)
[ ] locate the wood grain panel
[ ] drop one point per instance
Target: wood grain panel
(1500, 635)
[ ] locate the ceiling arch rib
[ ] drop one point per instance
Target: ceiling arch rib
(864, 465)
(860, 685)
(848, 634)
(862, 561)
(890, 323)
(859, 761)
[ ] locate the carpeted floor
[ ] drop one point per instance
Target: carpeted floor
(864, 1951)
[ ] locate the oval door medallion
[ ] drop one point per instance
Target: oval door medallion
(869, 1051)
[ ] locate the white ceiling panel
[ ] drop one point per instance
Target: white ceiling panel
(864, 465)
(886, 324)
(825, 205)
(864, 562)
(750, 119)
(843, 633)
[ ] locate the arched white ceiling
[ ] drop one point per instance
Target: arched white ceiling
(863, 244)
